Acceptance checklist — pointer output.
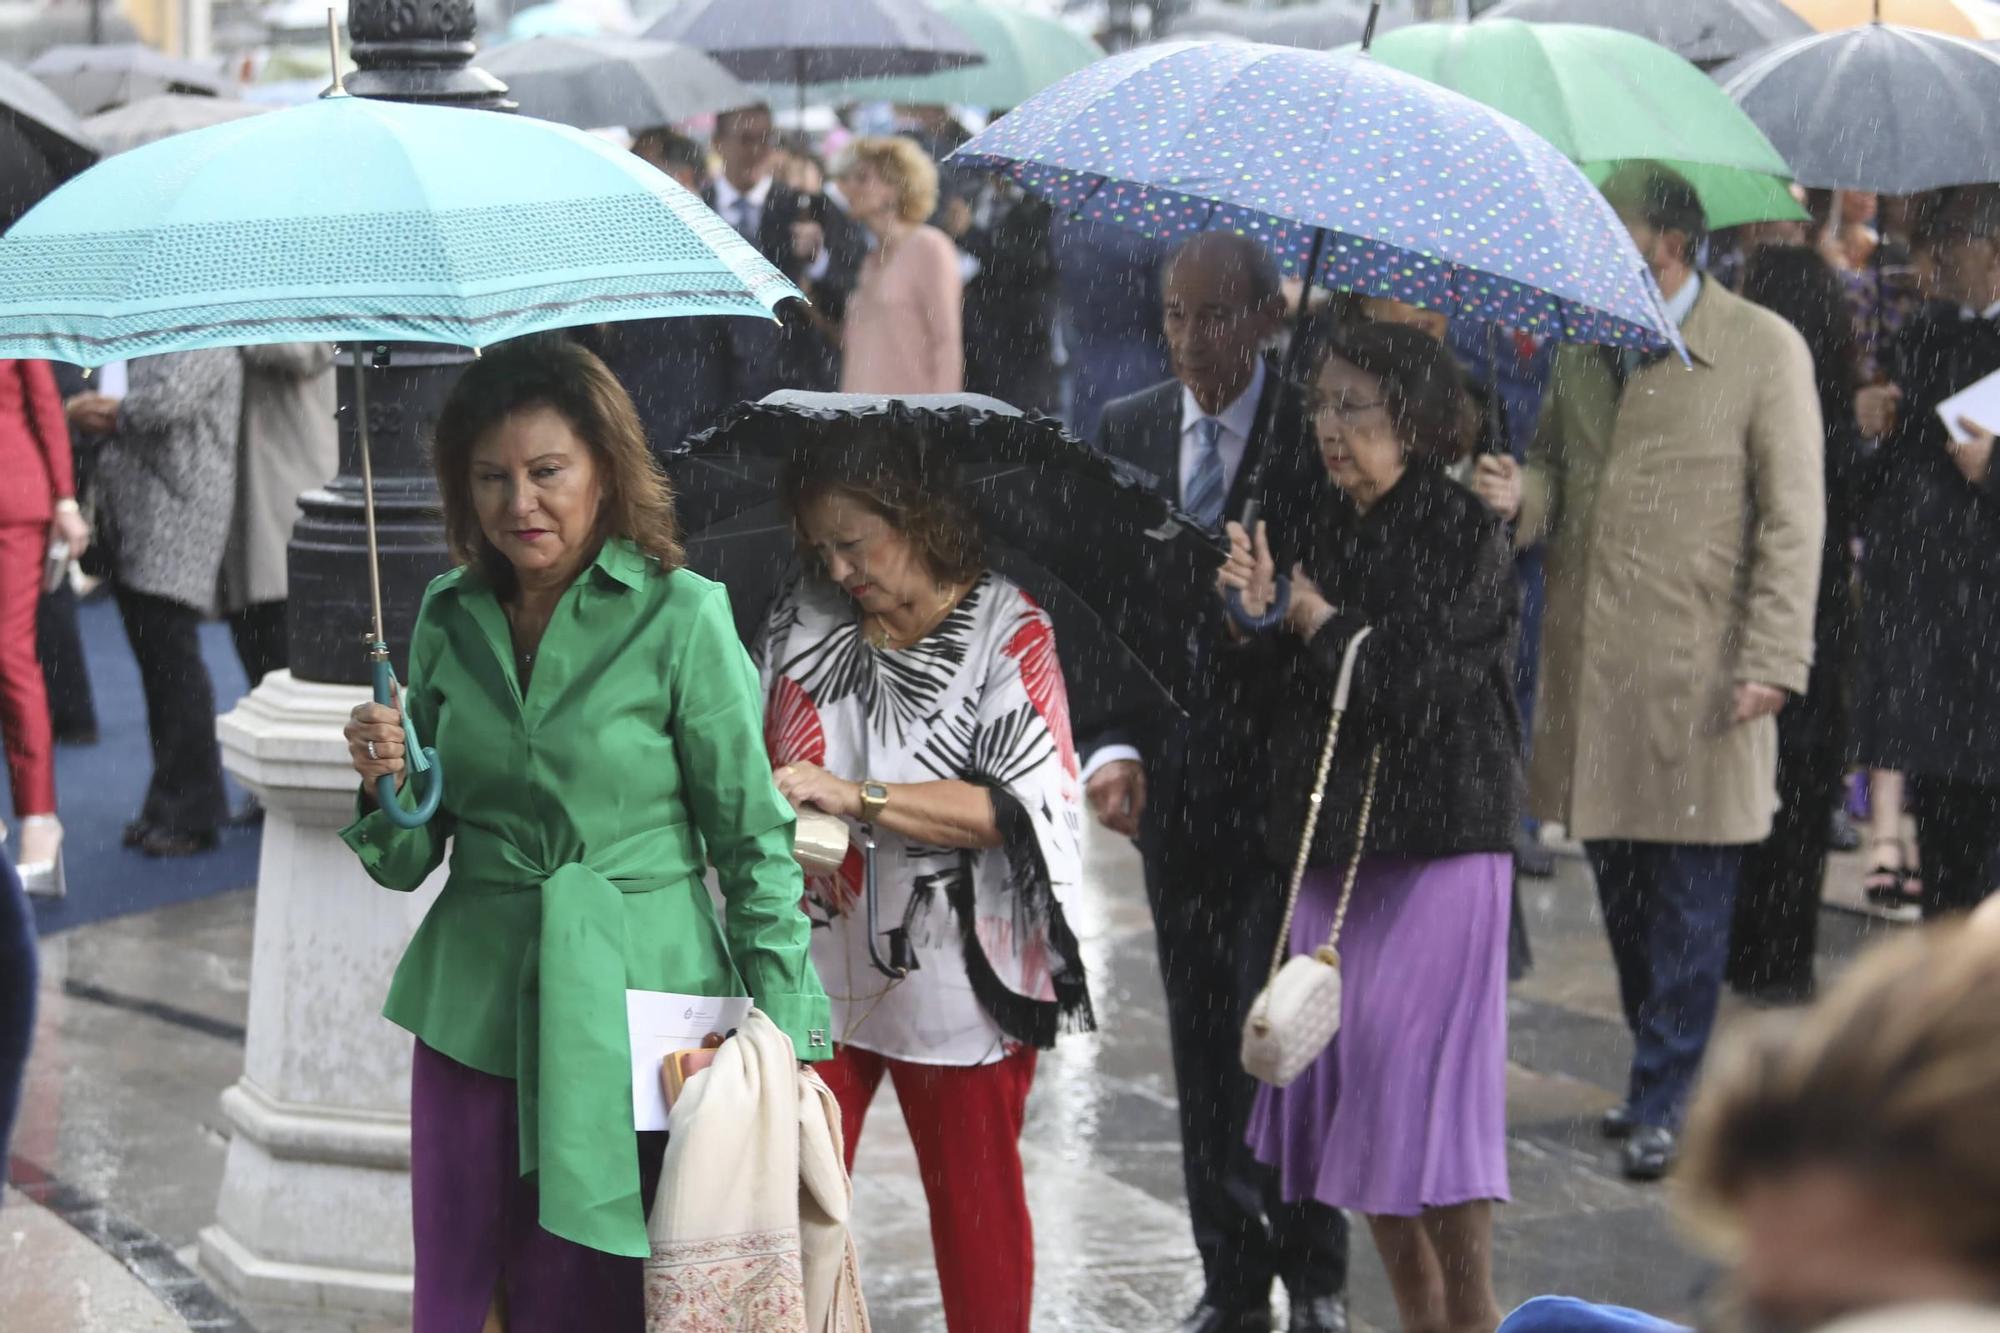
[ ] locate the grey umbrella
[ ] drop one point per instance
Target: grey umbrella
(25, 35)
(1707, 32)
(1881, 108)
(96, 78)
(154, 118)
(803, 42)
(42, 143)
(596, 81)
(1316, 27)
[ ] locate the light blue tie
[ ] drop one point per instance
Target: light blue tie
(1205, 491)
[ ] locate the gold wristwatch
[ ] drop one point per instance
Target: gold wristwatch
(873, 797)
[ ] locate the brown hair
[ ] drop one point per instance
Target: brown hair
(905, 166)
(886, 471)
(1423, 389)
(1894, 1077)
(548, 370)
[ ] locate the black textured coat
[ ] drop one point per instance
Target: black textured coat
(1928, 701)
(1431, 570)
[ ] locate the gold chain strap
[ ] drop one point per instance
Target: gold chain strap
(1313, 804)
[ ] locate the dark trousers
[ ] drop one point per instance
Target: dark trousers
(1667, 910)
(186, 793)
(1958, 840)
(1216, 919)
(258, 631)
(1776, 929)
(59, 644)
(475, 1218)
(19, 974)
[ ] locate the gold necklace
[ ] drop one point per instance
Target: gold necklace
(882, 641)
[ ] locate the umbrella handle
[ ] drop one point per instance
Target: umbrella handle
(898, 943)
(426, 770)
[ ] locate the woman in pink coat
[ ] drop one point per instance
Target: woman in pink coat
(902, 333)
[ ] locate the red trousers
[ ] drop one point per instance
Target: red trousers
(24, 699)
(966, 1125)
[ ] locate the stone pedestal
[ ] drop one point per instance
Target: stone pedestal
(315, 1206)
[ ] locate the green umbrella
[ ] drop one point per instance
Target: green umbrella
(1604, 98)
(1025, 53)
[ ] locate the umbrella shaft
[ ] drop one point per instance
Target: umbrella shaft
(367, 489)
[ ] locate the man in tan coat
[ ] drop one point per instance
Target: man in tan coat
(1683, 509)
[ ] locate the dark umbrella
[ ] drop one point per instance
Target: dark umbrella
(1125, 577)
(94, 78)
(1881, 108)
(593, 81)
(1707, 32)
(42, 143)
(818, 41)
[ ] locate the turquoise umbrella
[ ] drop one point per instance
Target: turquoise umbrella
(363, 222)
(1025, 53)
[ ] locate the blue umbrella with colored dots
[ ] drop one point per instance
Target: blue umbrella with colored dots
(1357, 176)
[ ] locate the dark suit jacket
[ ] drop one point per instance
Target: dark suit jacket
(1207, 774)
(793, 354)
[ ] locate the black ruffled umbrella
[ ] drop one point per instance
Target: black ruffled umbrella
(1126, 578)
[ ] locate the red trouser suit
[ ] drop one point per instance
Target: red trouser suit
(35, 472)
(965, 1122)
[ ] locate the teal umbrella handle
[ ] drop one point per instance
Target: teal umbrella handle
(426, 771)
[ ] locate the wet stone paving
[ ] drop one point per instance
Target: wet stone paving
(120, 1152)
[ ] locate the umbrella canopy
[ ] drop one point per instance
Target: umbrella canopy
(1880, 108)
(596, 81)
(153, 118)
(42, 143)
(95, 78)
(351, 219)
(811, 41)
(1605, 97)
(1355, 175)
(1025, 53)
(25, 33)
(1316, 27)
(548, 20)
(1978, 20)
(1708, 32)
(1125, 589)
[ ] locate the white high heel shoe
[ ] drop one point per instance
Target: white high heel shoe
(43, 877)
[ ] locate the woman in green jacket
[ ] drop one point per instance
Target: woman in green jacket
(600, 727)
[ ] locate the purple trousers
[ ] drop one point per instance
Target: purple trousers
(474, 1218)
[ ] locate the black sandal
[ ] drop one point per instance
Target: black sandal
(1890, 885)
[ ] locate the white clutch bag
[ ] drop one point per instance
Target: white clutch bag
(1298, 1011)
(819, 843)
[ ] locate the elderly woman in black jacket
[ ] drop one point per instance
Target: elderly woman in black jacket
(1403, 1118)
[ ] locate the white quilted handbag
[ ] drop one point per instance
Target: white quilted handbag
(1298, 1011)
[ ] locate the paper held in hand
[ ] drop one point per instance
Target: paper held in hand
(1979, 404)
(661, 1022)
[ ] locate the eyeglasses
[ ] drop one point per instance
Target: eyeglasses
(1347, 409)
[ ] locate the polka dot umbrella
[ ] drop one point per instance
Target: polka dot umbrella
(1357, 176)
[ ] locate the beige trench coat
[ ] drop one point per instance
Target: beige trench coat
(290, 444)
(1683, 524)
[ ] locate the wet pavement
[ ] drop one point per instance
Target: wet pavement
(121, 1147)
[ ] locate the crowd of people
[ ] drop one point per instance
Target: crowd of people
(1670, 607)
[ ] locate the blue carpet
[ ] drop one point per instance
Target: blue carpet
(99, 788)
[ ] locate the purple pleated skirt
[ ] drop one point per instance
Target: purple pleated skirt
(1407, 1109)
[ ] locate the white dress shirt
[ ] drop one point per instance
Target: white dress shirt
(1238, 419)
(727, 197)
